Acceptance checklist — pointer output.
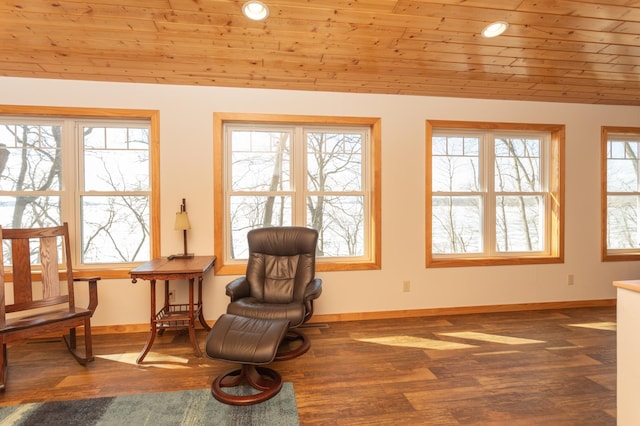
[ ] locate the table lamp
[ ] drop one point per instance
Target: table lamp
(182, 224)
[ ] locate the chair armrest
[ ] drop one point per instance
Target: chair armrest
(89, 279)
(313, 290)
(238, 288)
(93, 291)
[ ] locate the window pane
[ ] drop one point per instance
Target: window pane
(334, 162)
(519, 223)
(115, 229)
(622, 221)
(115, 225)
(260, 161)
(342, 222)
(94, 138)
(455, 164)
(616, 149)
(114, 164)
(30, 157)
(622, 167)
(517, 165)
(29, 212)
(249, 212)
(622, 147)
(457, 225)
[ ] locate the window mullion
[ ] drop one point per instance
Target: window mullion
(489, 194)
(545, 182)
(227, 152)
(298, 180)
(71, 172)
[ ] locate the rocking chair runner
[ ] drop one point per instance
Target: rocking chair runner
(42, 305)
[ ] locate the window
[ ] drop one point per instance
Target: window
(494, 193)
(621, 197)
(318, 172)
(90, 168)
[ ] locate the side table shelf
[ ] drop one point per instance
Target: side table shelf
(176, 316)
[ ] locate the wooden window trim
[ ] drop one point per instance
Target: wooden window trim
(605, 255)
(104, 113)
(220, 118)
(556, 188)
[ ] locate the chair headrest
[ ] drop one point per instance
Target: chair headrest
(283, 240)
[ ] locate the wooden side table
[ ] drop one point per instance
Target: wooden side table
(174, 315)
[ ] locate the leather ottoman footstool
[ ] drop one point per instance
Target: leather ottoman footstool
(251, 342)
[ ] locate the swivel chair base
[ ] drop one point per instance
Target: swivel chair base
(252, 343)
(265, 380)
(292, 346)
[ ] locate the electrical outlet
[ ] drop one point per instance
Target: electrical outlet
(406, 286)
(570, 279)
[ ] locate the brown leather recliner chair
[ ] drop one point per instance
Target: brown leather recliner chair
(280, 282)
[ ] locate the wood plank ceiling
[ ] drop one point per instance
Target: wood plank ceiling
(579, 51)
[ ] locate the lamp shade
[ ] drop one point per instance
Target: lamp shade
(182, 221)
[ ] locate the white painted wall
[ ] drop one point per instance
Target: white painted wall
(186, 133)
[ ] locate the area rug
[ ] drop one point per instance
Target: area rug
(192, 408)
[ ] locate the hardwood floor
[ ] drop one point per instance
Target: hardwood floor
(549, 367)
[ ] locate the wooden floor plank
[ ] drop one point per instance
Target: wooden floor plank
(376, 372)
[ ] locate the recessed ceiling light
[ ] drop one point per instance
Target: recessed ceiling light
(255, 10)
(495, 29)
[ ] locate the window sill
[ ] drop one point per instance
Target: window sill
(492, 261)
(240, 269)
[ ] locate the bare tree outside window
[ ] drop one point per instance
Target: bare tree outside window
(30, 179)
(623, 192)
(486, 188)
(261, 189)
(335, 206)
(519, 199)
(115, 201)
(112, 194)
(293, 175)
(457, 201)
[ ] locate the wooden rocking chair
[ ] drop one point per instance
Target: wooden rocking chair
(41, 304)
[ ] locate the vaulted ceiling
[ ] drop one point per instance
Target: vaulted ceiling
(580, 51)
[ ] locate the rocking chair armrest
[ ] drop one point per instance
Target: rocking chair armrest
(90, 279)
(93, 290)
(238, 288)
